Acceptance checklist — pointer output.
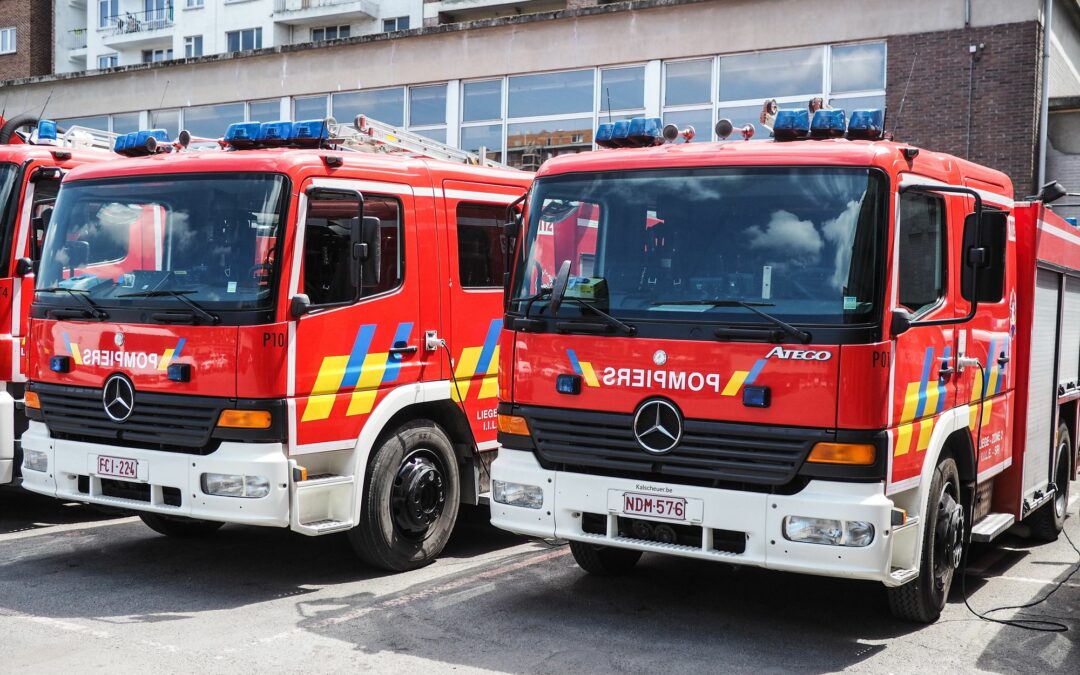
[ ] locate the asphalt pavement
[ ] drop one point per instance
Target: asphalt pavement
(83, 590)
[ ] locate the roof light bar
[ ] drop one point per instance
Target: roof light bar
(828, 124)
(866, 125)
(791, 125)
(639, 132)
(142, 142)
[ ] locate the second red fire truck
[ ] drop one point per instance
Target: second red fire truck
(826, 353)
(286, 333)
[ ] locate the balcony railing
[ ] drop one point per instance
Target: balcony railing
(142, 22)
(75, 39)
(301, 5)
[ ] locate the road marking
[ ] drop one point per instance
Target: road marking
(58, 529)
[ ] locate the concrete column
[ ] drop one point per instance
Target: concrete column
(653, 73)
(453, 118)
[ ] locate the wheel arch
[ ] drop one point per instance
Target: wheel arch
(1067, 416)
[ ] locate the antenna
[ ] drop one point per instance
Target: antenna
(163, 92)
(607, 90)
(47, 99)
(900, 112)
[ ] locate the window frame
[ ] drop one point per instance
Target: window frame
(501, 219)
(256, 39)
(945, 286)
(9, 34)
(189, 46)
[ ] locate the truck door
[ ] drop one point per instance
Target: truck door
(475, 214)
(360, 340)
(925, 286)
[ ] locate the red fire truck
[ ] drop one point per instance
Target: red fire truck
(31, 166)
(824, 353)
(287, 333)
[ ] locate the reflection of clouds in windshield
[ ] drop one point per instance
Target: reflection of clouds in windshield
(182, 236)
(839, 232)
(110, 231)
(787, 233)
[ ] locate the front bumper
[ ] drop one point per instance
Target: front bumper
(567, 496)
(164, 472)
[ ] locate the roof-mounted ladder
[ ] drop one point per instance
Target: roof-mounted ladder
(382, 136)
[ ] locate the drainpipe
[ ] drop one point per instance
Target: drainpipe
(1044, 109)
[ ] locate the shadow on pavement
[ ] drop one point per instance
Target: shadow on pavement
(21, 511)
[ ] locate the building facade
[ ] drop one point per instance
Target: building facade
(529, 80)
(25, 35)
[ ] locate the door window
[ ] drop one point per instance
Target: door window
(481, 245)
(327, 272)
(923, 251)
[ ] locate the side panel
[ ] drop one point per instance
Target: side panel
(1041, 389)
(1069, 359)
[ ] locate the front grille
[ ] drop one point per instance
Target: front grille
(727, 541)
(177, 423)
(712, 454)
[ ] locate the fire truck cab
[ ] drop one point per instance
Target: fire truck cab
(287, 333)
(824, 353)
(32, 163)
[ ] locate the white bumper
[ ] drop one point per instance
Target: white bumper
(760, 516)
(7, 436)
(68, 460)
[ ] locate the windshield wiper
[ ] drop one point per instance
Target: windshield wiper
(612, 321)
(799, 334)
(198, 309)
(92, 307)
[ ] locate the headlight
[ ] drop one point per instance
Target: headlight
(231, 485)
(35, 460)
(828, 531)
(517, 494)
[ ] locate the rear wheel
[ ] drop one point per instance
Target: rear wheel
(943, 546)
(1047, 522)
(181, 528)
(410, 502)
(604, 561)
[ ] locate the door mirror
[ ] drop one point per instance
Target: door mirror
(299, 305)
(78, 254)
(1051, 192)
(901, 321)
(23, 267)
(982, 272)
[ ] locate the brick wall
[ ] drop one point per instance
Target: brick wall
(1005, 95)
(33, 24)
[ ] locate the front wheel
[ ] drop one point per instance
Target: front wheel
(942, 549)
(180, 528)
(604, 561)
(410, 502)
(1047, 522)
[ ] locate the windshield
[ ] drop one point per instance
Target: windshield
(688, 244)
(128, 242)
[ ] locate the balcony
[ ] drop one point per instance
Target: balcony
(301, 12)
(454, 11)
(75, 40)
(135, 29)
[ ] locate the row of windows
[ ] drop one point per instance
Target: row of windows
(525, 119)
(7, 40)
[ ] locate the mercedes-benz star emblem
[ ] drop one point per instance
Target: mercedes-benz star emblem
(119, 339)
(657, 426)
(118, 397)
(659, 357)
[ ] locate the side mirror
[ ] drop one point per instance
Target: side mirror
(1051, 192)
(299, 305)
(78, 254)
(23, 267)
(982, 272)
(901, 321)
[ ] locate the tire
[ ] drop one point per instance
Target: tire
(410, 501)
(180, 528)
(8, 130)
(604, 561)
(922, 599)
(1047, 521)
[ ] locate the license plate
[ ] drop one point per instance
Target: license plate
(117, 467)
(653, 506)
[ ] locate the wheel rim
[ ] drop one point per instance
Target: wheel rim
(949, 536)
(1061, 499)
(419, 494)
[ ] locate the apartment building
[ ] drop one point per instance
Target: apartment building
(530, 80)
(102, 34)
(25, 31)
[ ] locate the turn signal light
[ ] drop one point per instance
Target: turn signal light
(245, 419)
(512, 424)
(31, 400)
(861, 454)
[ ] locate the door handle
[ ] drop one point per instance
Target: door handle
(403, 349)
(1002, 359)
(946, 367)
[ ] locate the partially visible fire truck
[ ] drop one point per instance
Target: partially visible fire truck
(289, 333)
(32, 162)
(825, 353)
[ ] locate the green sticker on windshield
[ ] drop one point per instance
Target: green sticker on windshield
(850, 302)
